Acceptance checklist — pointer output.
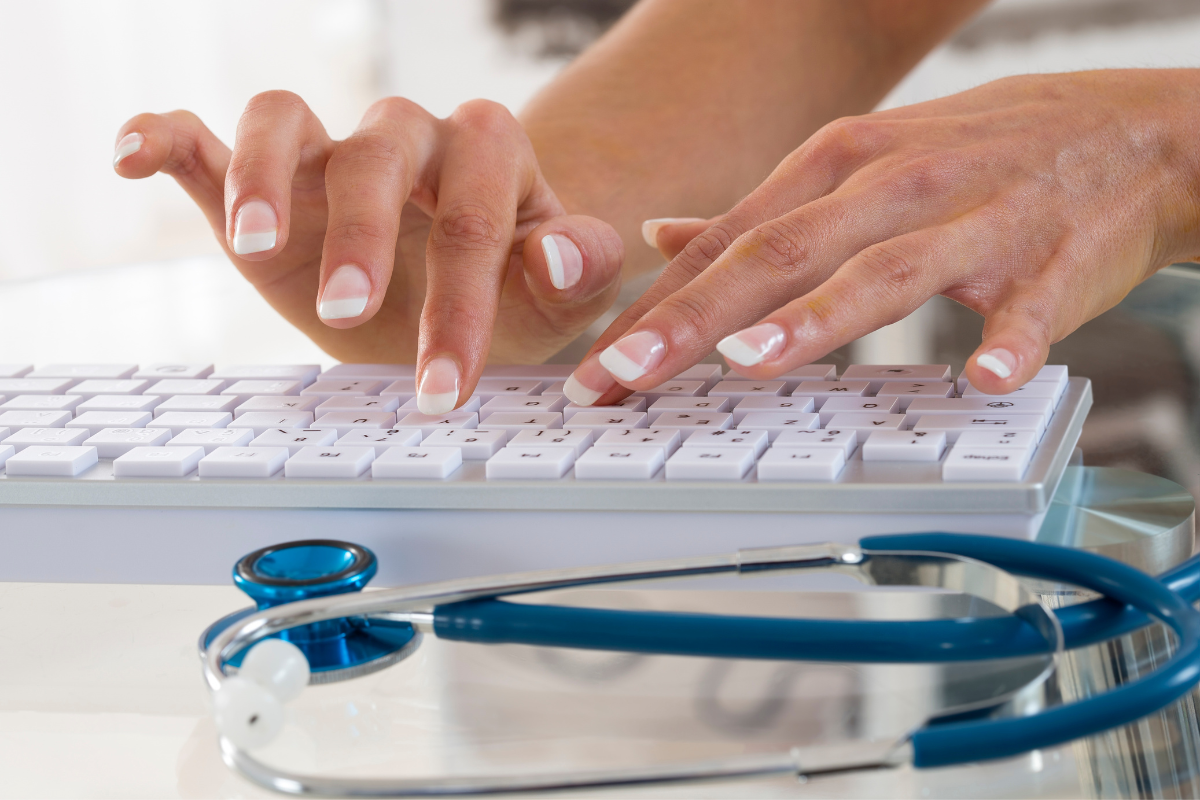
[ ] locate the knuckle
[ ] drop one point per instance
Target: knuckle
(889, 268)
(925, 176)
(846, 140)
(276, 99)
(693, 315)
(782, 246)
(360, 232)
(395, 108)
(375, 147)
(469, 226)
(707, 247)
(485, 116)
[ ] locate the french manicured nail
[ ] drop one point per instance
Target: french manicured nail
(635, 355)
(346, 293)
(753, 345)
(130, 143)
(563, 260)
(255, 228)
(438, 392)
(588, 383)
(999, 362)
(651, 227)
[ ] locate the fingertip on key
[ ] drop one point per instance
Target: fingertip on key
(634, 355)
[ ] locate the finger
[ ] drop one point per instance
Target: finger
(369, 177)
(1016, 341)
(669, 235)
(180, 145)
(279, 143)
(572, 269)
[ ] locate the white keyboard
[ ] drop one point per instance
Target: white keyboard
(875, 448)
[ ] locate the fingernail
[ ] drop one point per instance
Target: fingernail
(345, 294)
(651, 227)
(752, 345)
(130, 143)
(999, 362)
(588, 383)
(438, 392)
(635, 355)
(255, 228)
(563, 259)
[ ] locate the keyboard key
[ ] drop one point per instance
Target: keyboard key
(820, 391)
(954, 424)
(579, 439)
(6, 452)
(179, 421)
(553, 389)
(80, 372)
(634, 402)
(472, 404)
(693, 403)
(907, 392)
(304, 373)
(692, 419)
(329, 462)
(904, 446)
(17, 386)
(1017, 440)
(349, 403)
(1051, 390)
(619, 463)
(34, 419)
(345, 421)
(417, 462)
(28, 437)
(158, 462)
(756, 440)
(867, 422)
(518, 420)
(608, 419)
(710, 463)
(198, 386)
(211, 438)
(243, 462)
(244, 390)
(985, 464)
(426, 422)
(518, 463)
(344, 388)
(1051, 373)
(844, 440)
(492, 387)
(523, 403)
(91, 388)
(476, 444)
(379, 439)
(801, 464)
(15, 370)
(788, 405)
(43, 402)
(380, 372)
(711, 374)
(812, 372)
(879, 374)
(858, 405)
(96, 421)
(747, 388)
(776, 422)
(260, 421)
(278, 404)
(675, 389)
(162, 371)
(114, 442)
(665, 439)
(118, 402)
(404, 388)
(532, 372)
(987, 405)
(296, 440)
(58, 462)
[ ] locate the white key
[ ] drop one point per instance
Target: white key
(158, 462)
(711, 374)
(379, 439)
(329, 462)
(177, 421)
(28, 437)
(867, 422)
(1046, 389)
(160, 372)
(472, 404)
(693, 419)
(17, 386)
(619, 463)
(96, 421)
(343, 388)
(675, 389)
(694, 403)
(15, 370)
(904, 446)
(211, 438)
(985, 464)
(195, 402)
(530, 462)
(243, 462)
(295, 439)
(987, 405)
(364, 403)
(879, 374)
(787, 405)
(665, 439)
(579, 439)
(446, 422)
(380, 372)
(634, 402)
(244, 390)
(304, 373)
(812, 372)
(80, 372)
(57, 462)
(114, 442)
(476, 444)
(776, 422)
(523, 403)
(955, 424)
(404, 388)
(34, 419)
(532, 372)
(517, 420)
(491, 387)
(608, 419)
(858, 405)
(1016, 440)
(43, 402)
(278, 404)
(553, 389)
(260, 421)
(801, 464)
(832, 439)
(191, 386)
(710, 463)
(417, 462)
(756, 440)
(1051, 373)
(91, 388)
(6, 452)
(748, 389)
(4, 433)
(118, 402)
(820, 391)
(345, 421)
(907, 392)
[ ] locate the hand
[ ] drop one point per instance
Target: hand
(414, 240)
(1037, 201)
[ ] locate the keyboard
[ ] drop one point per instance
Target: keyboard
(168, 472)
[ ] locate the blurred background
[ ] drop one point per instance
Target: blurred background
(90, 263)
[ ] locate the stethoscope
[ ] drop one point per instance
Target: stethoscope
(313, 624)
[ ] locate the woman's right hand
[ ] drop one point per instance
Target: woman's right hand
(416, 239)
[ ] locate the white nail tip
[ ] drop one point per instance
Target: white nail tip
(127, 149)
(738, 351)
(576, 392)
(436, 404)
(554, 262)
(993, 365)
(621, 366)
(248, 243)
(342, 309)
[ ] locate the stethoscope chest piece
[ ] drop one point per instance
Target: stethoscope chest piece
(336, 649)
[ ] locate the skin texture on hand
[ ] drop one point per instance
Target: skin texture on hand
(1037, 201)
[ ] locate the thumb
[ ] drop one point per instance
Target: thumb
(573, 269)
(671, 234)
(1015, 346)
